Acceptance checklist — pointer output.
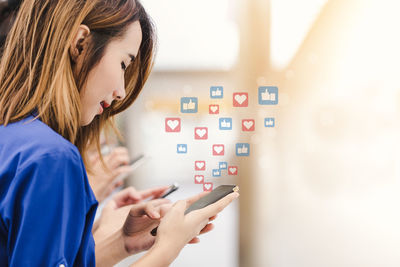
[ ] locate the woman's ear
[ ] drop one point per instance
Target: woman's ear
(78, 43)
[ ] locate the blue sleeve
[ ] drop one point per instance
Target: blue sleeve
(49, 220)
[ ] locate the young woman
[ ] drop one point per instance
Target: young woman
(67, 68)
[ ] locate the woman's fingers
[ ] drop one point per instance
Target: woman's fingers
(215, 208)
(194, 240)
(164, 208)
(213, 218)
(207, 228)
(151, 208)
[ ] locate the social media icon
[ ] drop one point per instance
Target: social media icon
(213, 109)
(200, 133)
(242, 149)
(240, 99)
(268, 95)
(181, 148)
(189, 104)
(216, 92)
(225, 123)
(172, 125)
(223, 165)
(232, 170)
(216, 173)
(248, 125)
(199, 165)
(218, 150)
(199, 179)
(207, 187)
(269, 122)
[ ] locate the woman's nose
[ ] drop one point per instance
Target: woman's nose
(119, 94)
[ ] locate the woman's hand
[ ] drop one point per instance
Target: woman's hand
(174, 231)
(177, 229)
(117, 209)
(143, 218)
(101, 180)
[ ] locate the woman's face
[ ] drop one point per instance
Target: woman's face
(105, 82)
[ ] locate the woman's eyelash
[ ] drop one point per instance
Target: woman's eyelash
(123, 66)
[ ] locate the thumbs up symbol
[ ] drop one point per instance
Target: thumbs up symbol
(242, 149)
(216, 92)
(189, 104)
(269, 122)
(225, 123)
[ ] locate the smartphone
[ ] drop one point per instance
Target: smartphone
(170, 190)
(215, 195)
(134, 163)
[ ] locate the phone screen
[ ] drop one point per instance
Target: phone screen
(215, 195)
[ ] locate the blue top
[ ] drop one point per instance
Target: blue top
(47, 207)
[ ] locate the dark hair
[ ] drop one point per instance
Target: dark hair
(8, 11)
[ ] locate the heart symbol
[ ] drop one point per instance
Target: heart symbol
(218, 149)
(172, 124)
(248, 124)
(207, 186)
(200, 165)
(214, 108)
(201, 132)
(240, 98)
(232, 170)
(199, 178)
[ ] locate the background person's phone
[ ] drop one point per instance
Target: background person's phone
(134, 163)
(215, 195)
(170, 190)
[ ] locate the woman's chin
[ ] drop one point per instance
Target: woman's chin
(86, 121)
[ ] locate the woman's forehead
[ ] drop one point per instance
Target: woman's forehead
(130, 41)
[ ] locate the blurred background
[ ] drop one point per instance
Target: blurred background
(322, 187)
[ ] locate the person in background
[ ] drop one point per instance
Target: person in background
(66, 69)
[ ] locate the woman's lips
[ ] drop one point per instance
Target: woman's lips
(100, 109)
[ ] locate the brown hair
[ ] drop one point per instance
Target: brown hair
(36, 70)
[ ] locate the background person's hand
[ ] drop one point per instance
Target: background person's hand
(101, 180)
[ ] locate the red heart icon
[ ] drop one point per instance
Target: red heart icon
(240, 99)
(200, 165)
(199, 179)
(213, 109)
(218, 150)
(207, 187)
(232, 170)
(248, 125)
(172, 125)
(200, 133)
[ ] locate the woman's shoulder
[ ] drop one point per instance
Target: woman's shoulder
(32, 138)
(32, 153)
